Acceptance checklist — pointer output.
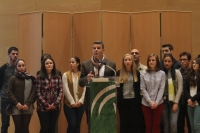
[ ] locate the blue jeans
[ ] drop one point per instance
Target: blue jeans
(194, 117)
(170, 118)
(5, 119)
(48, 121)
(74, 117)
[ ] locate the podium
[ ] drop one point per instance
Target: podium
(103, 104)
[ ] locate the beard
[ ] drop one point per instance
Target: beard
(13, 59)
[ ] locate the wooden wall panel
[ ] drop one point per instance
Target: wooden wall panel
(30, 37)
(176, 30)
(116, 35)
(57, 28)
(145, 33)
(9, 24)
(86, 30)
(68, 5)
(57, 37)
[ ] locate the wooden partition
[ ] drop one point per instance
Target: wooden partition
(30, 40)
(116, 35)
(30, 49)
(145, 33)
(176, 30)
(64, 35)
(86, 30)
(57, 38)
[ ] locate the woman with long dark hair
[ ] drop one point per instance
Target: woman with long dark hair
(192, 93)
(49, 91)
(73, 96)
(152, 87)
(21, 93)
(172, 94)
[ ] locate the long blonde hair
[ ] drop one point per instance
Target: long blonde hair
(123, 72)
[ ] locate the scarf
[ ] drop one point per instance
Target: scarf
(97, 64)
(24, 75)
(170, 90)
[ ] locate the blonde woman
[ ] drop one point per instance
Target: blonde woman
(128, 96)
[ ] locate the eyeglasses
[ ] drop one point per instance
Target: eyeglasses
(183, 60)
(132, 53)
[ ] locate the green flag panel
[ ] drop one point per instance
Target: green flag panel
(103, 107)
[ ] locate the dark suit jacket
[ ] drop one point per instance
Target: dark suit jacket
(87, 66)
(136, 87)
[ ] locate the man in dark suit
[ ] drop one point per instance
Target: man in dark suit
(95, 67)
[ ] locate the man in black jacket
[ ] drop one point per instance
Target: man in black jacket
(6, 71)
(168, 49)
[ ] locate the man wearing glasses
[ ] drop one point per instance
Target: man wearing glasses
(136, 56)
(185, 58)
(168, 49)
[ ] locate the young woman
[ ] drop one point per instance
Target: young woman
(192, 93)
(21, 93)
(172, 94)
(128, 96)
(48, 56)
(73, 96)
(49, 93)
(152, 86)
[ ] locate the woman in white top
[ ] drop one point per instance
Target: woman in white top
(152, 84)
(172, 94)
(192, 93)
(73, 96)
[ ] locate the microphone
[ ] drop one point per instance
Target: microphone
(104, 63)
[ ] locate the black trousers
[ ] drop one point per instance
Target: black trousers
(181, 119)
(48, 121)
(130, 114)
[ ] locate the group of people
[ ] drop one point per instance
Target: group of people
(150, 99)
(21, 90)
(167, 91)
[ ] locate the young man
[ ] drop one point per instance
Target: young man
(94, 67)
(6, 71)
(185, 58)
(168, 49)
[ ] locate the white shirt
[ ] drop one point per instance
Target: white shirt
(67, 93)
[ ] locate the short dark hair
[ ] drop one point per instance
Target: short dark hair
(77, 61)
(99, 42)
(43, 73)
(169, 46)
(45, 56)
(198, 56)
(12, 48)
(185, 54)
(158, 67)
